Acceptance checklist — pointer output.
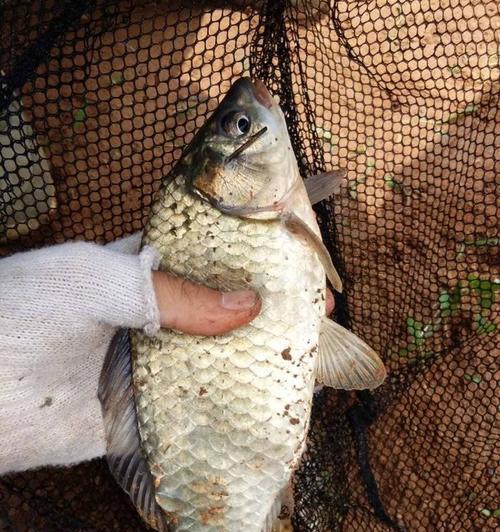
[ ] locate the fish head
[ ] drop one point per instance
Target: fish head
(241, 160)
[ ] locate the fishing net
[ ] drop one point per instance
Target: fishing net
(97, 99)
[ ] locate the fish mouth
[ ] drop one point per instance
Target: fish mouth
(257, 89)
(262, 95)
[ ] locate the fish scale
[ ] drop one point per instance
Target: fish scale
(223, 419)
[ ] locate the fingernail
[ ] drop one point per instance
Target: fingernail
(239, 300)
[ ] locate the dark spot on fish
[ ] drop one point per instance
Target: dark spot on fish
(174, 205)
(173, 231)
(318, 290)
(323, 297)
(315, 300)
(202, 391)
(21, 378)
(212, 516)
(47, 402)
(172, 518)
(286, 354)
(294, 421)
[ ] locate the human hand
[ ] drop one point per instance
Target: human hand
(196, 309)
(59, 309)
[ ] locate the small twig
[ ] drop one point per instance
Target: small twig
(246, 144)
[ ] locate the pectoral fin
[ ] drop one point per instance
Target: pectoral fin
(322, 186)
(345, 361)
(298, 227)
(124, 452)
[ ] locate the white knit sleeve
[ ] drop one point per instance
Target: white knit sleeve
(59, 309)
(79, 281)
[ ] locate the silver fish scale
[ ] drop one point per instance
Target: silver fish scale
(223, 420)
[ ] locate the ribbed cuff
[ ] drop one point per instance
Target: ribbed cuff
(149, 260)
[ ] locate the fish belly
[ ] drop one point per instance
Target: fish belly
(223, 420)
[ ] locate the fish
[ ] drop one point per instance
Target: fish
(205, 433)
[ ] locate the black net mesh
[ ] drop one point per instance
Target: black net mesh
(97, 99)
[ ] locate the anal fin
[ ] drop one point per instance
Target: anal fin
(345, 361)
(279, 516)
(124, 452)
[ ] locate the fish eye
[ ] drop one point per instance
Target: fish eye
(236, 124)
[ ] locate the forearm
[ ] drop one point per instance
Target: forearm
(59, 308)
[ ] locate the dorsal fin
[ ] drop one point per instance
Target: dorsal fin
(124, 452)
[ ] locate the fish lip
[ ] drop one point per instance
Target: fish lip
(257, 89)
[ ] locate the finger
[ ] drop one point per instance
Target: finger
(196, 309)
(330, 302)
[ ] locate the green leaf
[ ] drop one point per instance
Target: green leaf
(80, 115)
(483, 325)
(325, 135)
(473, 280)
(454, 70)
(485, 512)
(117, 78)
(486, 286)
(476, 379)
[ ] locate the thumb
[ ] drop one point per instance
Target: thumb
(196, 309)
